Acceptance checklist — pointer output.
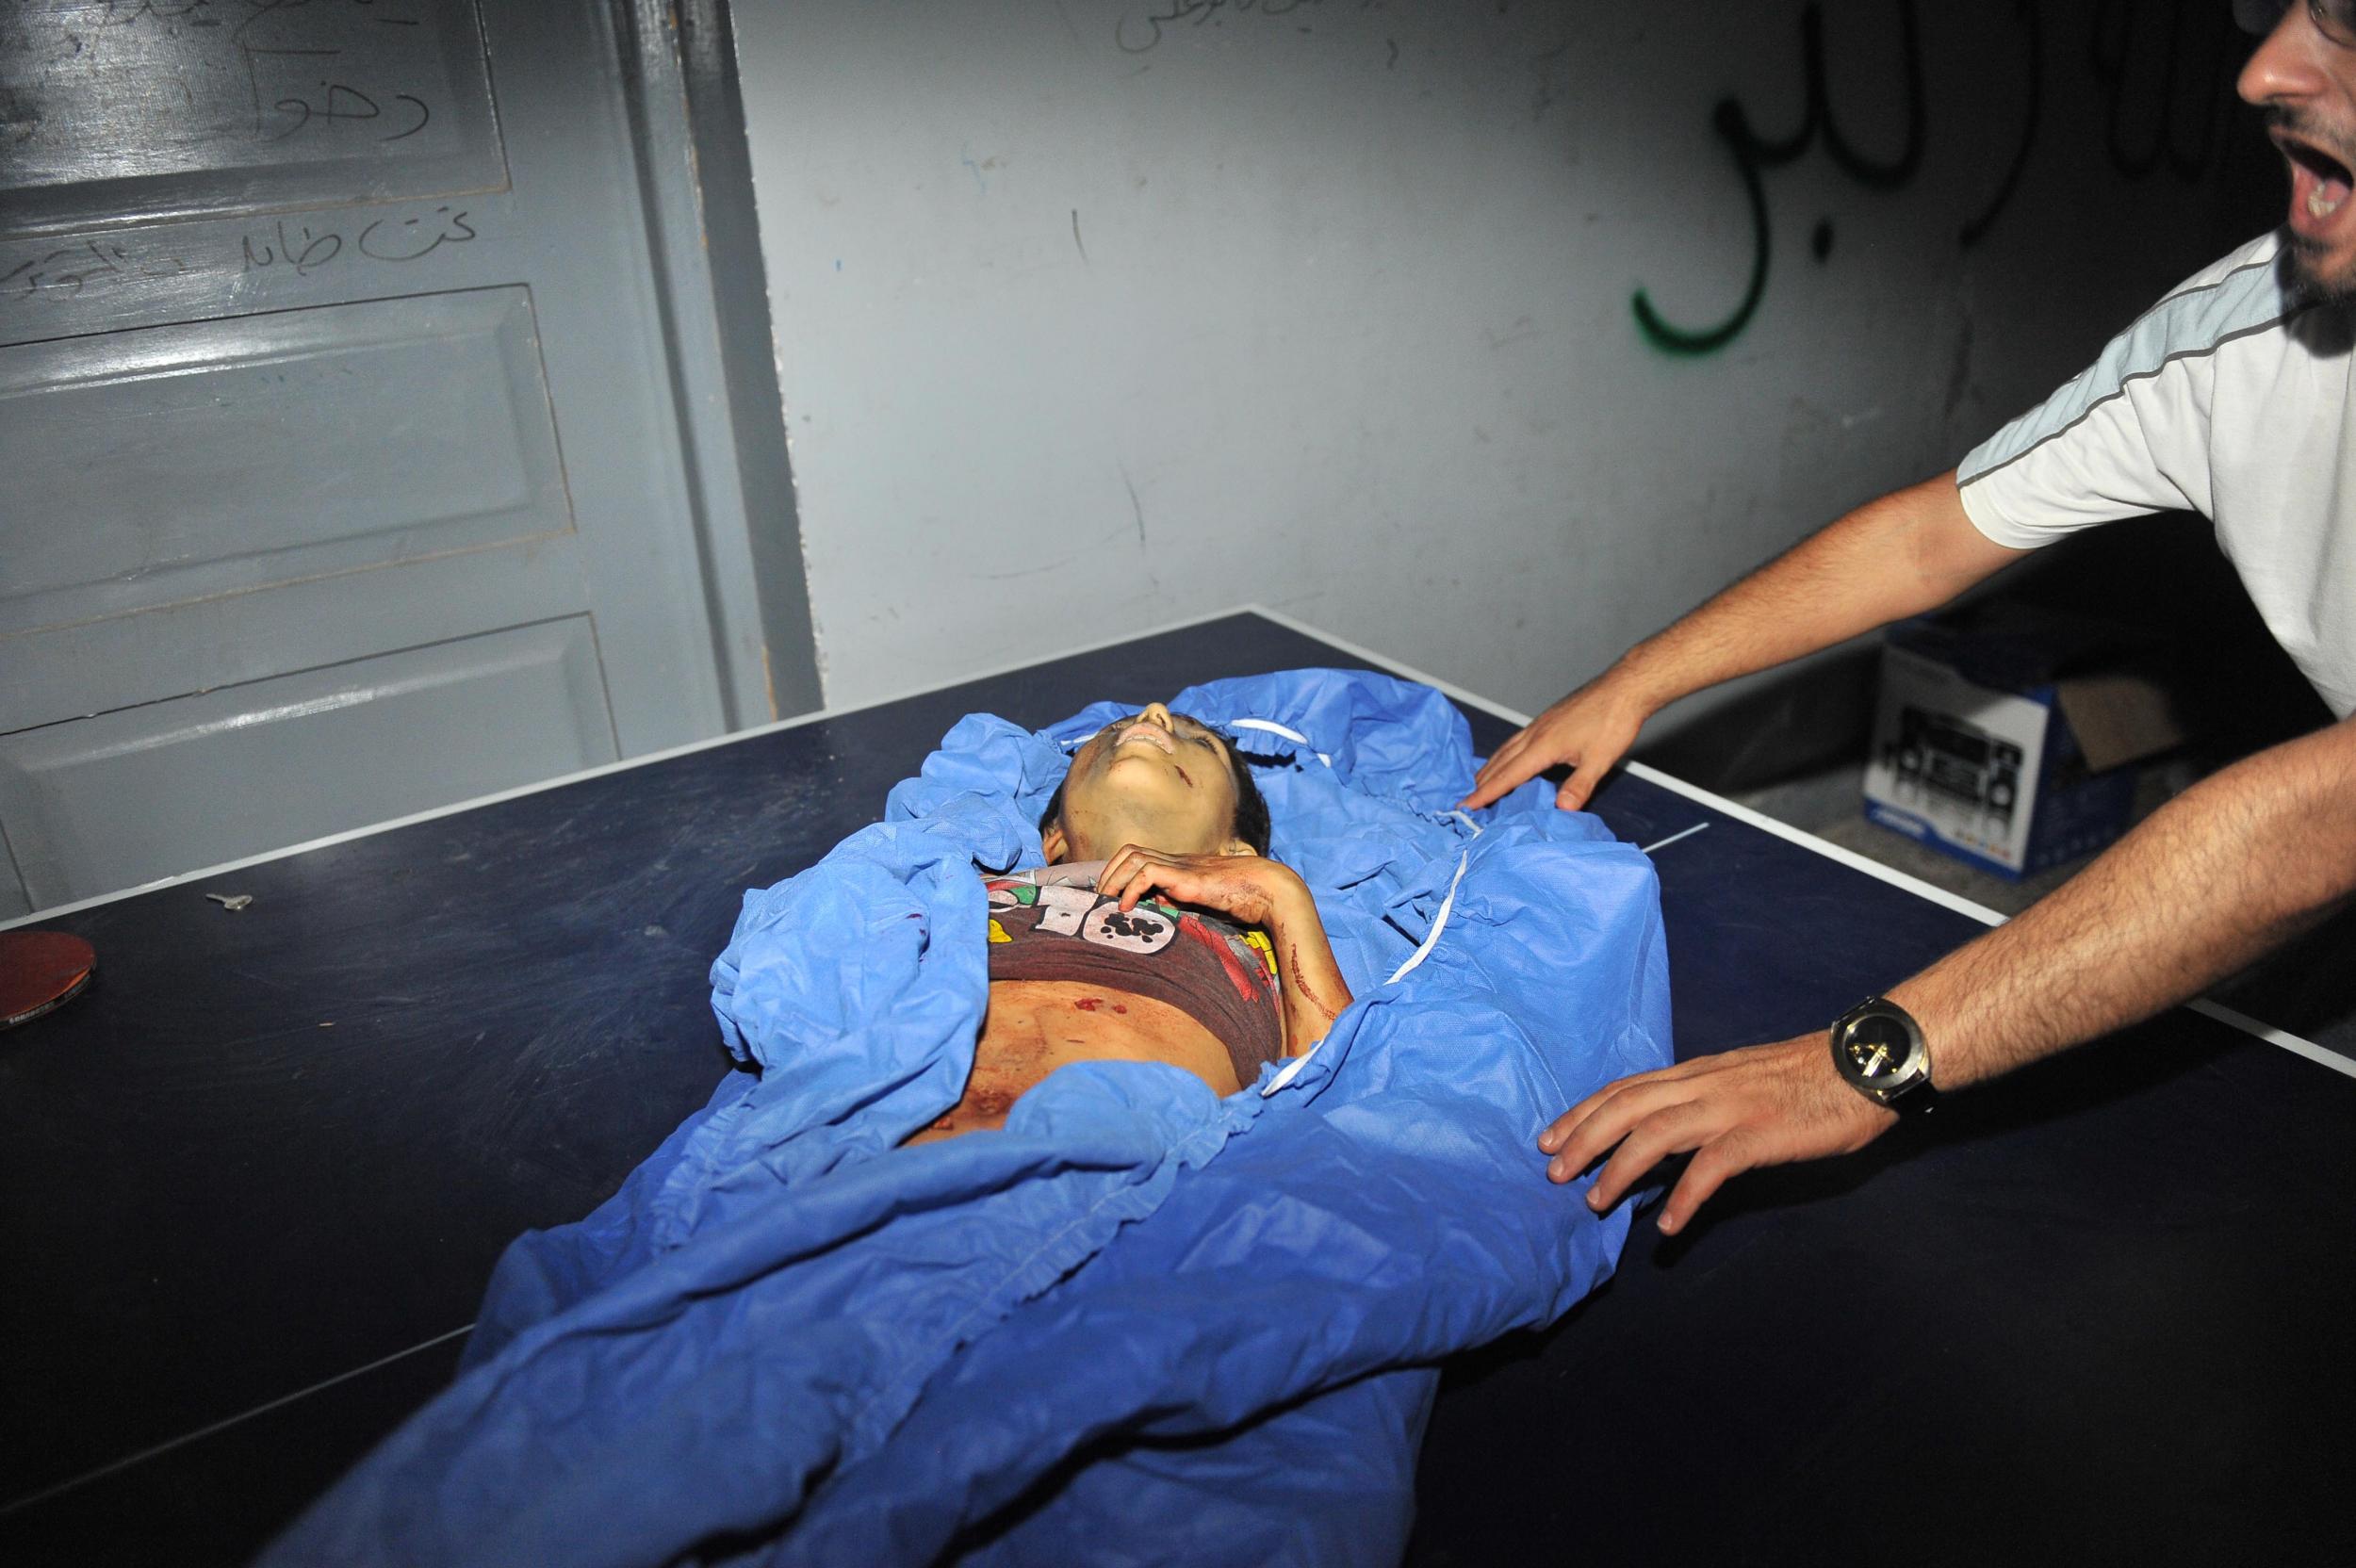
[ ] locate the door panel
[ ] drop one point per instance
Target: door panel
(173, 108)
(331, 364)
(183, 458)
(104, 664)
(145, 792)
(207, 268)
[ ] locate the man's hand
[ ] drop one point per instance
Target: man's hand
(1761, 1105)
(1591, 729)
(1908, 552)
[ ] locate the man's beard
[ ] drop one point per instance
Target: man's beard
(2303, 263)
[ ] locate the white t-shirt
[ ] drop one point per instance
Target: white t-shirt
(2228, 397)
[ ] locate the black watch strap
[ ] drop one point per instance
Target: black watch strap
(1921, 1098)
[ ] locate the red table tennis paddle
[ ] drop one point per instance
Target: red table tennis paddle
(41, 969)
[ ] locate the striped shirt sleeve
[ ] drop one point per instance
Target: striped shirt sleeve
(2130, 435)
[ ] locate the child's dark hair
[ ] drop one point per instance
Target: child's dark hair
(1251, 820)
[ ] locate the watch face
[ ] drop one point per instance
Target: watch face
(1875, 1046)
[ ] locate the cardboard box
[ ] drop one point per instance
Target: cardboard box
(2009, 737)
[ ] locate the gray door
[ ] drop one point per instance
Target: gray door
(341, 468)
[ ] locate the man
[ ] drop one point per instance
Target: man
(2231, 396)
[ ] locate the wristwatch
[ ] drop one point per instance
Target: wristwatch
(1878, 1049)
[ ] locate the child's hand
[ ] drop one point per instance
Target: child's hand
(1247, 889)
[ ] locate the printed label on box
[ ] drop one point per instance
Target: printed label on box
(1955, 761)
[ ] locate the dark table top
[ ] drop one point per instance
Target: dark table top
(251, 1186)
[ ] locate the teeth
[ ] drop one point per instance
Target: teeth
(2317, 206)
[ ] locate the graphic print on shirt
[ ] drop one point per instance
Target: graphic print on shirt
(1219, 973)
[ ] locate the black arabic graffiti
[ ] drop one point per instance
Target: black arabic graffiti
(1134, 35)
(384, 240)
(397, 246)
(2207, 62)
(317, 249)
(341, 102)
(1754, 153)
(112, 13)
(262, 11)
(2165, 76)
(121, 14)
(345, 101)
(66, 271)
(2032, 24)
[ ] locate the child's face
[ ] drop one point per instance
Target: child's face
(1159, 780)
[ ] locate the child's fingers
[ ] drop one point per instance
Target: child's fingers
(1136, 886)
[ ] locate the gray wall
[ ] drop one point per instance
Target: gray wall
(1095, 313)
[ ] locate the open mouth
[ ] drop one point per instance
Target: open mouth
(1146, 733)
(2319, 182)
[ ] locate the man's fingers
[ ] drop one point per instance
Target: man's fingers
(1672, 1130)
(1619, 1110)
(1485, 794)
(1488, 795)
(1500, 776)
(1729, 1155)
(1587, 771)
(1760, 1105)
(1523, 759)
(1563, 1128)
(1589, 729)
(1503, 756)
(1559, 1132)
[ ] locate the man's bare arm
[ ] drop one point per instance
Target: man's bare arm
(2232, 868)
(1908, 552)
(2218, 876)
